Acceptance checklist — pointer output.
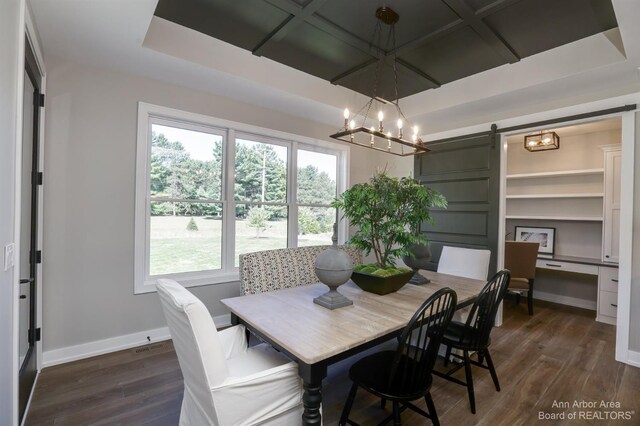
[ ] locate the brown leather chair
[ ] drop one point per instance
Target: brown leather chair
(520, 259)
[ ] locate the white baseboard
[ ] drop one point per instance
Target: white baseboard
(633, 358)
(565, 300)
(113, 344)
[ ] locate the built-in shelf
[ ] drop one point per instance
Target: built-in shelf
(533, 196)
(562, 218)
(556, 174)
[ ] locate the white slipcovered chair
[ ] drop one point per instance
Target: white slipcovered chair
(226, 382)
(464, 262)
(468, 263)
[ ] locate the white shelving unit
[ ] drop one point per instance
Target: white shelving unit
(570, 189)
(557, 173)
(538, 196)
(558, 218)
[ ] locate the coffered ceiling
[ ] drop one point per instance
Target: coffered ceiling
(438, 41)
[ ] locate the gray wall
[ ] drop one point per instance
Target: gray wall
(89, 187)
(11, 32)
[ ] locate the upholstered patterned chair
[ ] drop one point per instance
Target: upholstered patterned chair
(270, 270)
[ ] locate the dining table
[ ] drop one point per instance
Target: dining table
(316, 337)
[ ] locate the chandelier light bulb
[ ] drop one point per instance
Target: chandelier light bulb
(380, 125)
(366, 115)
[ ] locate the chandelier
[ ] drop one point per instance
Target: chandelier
(359, 128)
(542, 141)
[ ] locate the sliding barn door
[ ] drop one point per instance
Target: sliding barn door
(467, 172)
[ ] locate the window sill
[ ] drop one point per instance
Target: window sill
(189, 280)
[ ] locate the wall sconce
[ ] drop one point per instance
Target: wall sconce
(542, 141)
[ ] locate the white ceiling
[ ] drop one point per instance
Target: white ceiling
(123, 35)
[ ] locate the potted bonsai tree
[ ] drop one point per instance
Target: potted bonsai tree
(387, 211)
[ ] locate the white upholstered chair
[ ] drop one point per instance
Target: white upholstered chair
(225, 382)
(464, 262)
(468, 263)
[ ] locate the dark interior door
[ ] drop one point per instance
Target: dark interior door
(467, 172)
(29, 251)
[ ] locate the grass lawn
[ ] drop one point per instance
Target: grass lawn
(174, 249)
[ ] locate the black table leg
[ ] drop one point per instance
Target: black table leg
(312, 400)
(312, 376)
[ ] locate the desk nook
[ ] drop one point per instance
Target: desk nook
(574, 190)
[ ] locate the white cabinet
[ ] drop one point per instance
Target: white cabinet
(611, 210)
(607, 295)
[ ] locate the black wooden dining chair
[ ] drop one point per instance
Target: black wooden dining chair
(404, 375)
(474, 335)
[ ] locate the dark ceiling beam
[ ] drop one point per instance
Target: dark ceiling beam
(312, 19)
(299, 17)
(418, 71)
(494, 7)
(354, 70)
(434, 35)
(462, 9)
(362, 68)
(348, 38)
(453, 26)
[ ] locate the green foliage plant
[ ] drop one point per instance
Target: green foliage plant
(257, 218)
(307, 222)
(388, 212)
(192, 225)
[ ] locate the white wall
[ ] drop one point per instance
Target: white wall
(11, 65)
(634, 325)
(89, 197)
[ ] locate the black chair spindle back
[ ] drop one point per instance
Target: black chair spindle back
(419, 342)
(483, 312)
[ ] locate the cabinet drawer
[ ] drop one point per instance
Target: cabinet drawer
(608, 279)
(608, 304)
(567, 266)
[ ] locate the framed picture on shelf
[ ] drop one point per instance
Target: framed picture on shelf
(545, 236)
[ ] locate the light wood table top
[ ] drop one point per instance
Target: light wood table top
(312, 333)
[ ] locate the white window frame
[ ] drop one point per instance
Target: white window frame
(149, 114)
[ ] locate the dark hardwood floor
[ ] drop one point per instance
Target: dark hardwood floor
(560, 355)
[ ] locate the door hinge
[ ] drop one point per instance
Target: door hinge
(41, 99)
(39, 256)
(35, 335)
(39, 178)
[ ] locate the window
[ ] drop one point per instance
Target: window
(316, 188)
(208, 190)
